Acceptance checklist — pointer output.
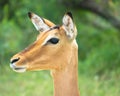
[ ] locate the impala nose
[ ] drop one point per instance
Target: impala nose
(14, 60)
(15, 67)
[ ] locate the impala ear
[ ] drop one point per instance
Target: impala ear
(69, 26)
(40, 23)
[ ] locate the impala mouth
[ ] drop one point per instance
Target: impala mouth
(19, 69)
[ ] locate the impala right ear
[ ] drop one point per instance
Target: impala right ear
(69, 26)
(40, 24)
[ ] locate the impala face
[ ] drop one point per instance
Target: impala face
(52, 46)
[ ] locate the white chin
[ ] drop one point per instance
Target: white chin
(19, 70)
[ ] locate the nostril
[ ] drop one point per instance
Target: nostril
(14, 60)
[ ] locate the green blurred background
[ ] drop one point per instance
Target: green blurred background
(98, 24)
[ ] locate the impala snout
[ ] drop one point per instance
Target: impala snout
(17, 65)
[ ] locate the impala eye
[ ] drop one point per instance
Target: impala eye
(53, 40)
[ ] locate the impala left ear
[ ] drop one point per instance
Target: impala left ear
(40, 24)
(69, 26)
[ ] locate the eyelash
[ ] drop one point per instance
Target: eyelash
(53, 41)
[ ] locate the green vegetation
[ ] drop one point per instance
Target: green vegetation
(40, 83)
(98, 41)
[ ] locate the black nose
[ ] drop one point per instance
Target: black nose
(14, 60)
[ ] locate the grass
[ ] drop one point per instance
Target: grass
(27, 84)
(40, 84)
(93, 86)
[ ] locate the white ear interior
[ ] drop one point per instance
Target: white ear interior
(69, 26)
(38, 22)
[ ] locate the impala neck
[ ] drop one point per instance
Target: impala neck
(66, 81)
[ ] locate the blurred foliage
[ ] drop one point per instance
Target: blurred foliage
(98, 41)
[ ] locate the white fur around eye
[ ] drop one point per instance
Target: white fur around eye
(47, 39)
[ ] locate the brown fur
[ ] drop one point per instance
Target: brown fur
(61, 59)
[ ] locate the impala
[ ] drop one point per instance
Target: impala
(55, 49)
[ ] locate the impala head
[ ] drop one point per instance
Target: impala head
(52, 48)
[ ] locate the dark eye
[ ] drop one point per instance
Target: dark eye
(53, 40)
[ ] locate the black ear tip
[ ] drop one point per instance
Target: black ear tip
(30, 14)
(70, 14)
